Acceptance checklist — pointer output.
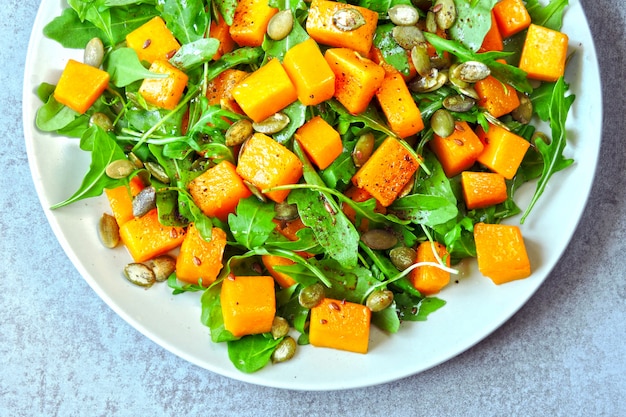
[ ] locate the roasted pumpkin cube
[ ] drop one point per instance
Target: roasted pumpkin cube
(153, 41)
(199, 258)
(164, 92)
(248, 304)
(80, 86)
(340, 325)
(501, 252)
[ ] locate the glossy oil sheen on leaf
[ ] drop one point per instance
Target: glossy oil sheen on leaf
(473, 22)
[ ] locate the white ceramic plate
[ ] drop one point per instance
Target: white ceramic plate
(475, 307)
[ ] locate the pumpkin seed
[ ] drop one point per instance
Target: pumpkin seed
(139, 274)
(445, 13)
(459, 103)
(273, 124)
(163, 266)
(407, 36)
(157, 172)
(402, 257)
(408, 188)
(311, 295)
(280, 25)
(472, 71)
(421, 59)
(540, 137)
(378, 300)
(348, 19)
(102, 121)
(94, 53)
(285, 211)
(109, 231)
(432, 82)
(120, 168)
(255, 191)
(239, 132)
(524, 112)
(144, 201)
(280, 327)
(135, 160)
(285, 350)
(363, 149)
(442, 123)
(455, 76)
(403, 15)
(469, 92)
(379, 239)
(431, 22)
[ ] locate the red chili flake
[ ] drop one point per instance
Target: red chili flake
(458, 142)
(170, 54)
(323, 321)
(147, 43)
(173, 233)
(459, 127)
(197, 261)
(256, 267)
(437, 8)
(230, 276)
(334, 306)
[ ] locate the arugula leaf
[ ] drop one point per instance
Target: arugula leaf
(552, 153)
(392, 52)
(252, 224)
(104, 150)
(410, 309)
(253, 352)
(550, 16)
(212, 315)
(187, 19)
(472, 23)
(125, 68)
(194, 54)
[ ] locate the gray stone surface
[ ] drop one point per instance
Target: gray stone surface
(64, 352)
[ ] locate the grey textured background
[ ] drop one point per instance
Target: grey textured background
(63, 352)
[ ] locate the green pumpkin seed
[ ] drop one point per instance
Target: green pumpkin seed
(472, 71)
(403, 15)
(120, 168)
(421, 60)
(273, 124)
(144, 201)
(379, 239)
(407, 36)
(109, 231)
(285, 350)
(94, 53)
(102, 121)
(280, 25)
(139, 274)
(239, 132)
(285, 211)
(442, 123)
(157, 172)
(402, 257)
(524, 112)
(348, 19)
(280, 327)
(459, 103)
(311, 295)
(363, 149)
(445, 13)
(163, 266)
(378, 300)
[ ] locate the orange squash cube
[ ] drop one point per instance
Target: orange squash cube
(319, 25)
(429, 279)
(496, 97)
(250, 22)
(544, 53)
(310, 73)
(483, 189)
(121, 199)
(387, 171)
(401, 111)
(265, 92)
(356, 78)
(220, 30)
(503, 150)
(281, 278)
(458, 151)
(80, 86)
(493, 38)
(153, 41)
(512, 17)
(217, 191)
(266, 163)
(340, 325)
(145, 237)
(164, 92)
(320, 141)
(220, 89)
(200, 259)
(248, 304)
(501, 252)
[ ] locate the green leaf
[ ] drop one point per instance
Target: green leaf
(212, 315)
(54, 116)
(393, 53)
(252, 224)
(550, 16)
(410, 309)
(105, 150)
(187, 19)
(472, 23)
(552, 153)
(194, 54)
(251, 353)
(125, 68)
(70, 31)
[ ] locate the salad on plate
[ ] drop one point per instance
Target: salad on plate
(312, 169)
